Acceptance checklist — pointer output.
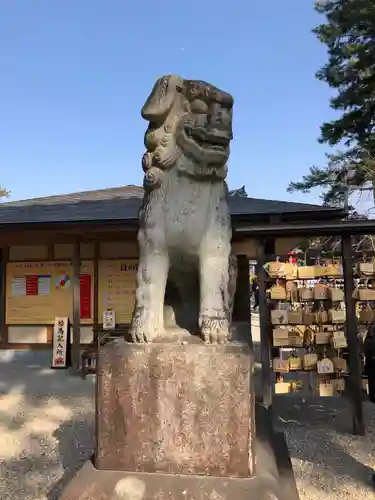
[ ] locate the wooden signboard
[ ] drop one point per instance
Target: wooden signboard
(60, 343)
(38, 292)
(117, 286)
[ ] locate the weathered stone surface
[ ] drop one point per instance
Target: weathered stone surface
(175, 408)
(184, 224)
(93, 484)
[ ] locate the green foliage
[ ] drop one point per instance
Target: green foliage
(349, 36)
(345, 172)
(3, 193)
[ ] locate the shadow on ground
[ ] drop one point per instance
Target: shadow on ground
(320, 442)
(70, 436)
(47, 433)
(46, 425)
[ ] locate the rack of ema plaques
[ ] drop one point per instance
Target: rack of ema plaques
(307, 313)
(364, 295)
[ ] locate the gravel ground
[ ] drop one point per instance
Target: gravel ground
(329, 463)
(46, 433)
(46, 427)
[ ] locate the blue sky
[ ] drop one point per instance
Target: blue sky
(75, 73)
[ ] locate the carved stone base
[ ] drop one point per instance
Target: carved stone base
(176, 421)
(93, 484)
(175, 408)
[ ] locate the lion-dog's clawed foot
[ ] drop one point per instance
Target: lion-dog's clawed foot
(214, 330)
(143, 329)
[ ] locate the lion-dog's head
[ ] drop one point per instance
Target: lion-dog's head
(190, 124)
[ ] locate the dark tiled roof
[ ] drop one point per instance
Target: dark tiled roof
(243, 206)
(119, 203)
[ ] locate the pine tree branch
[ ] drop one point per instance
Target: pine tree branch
(4, 193)
(348, 33)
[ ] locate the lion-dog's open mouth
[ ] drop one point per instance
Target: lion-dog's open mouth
(207, 139)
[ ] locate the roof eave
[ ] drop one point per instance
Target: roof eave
(322, 212)
(346, 227)
(132, 222)
(128, 224)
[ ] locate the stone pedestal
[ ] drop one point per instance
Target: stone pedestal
(94, 484)
(175, 421)
(175, 408)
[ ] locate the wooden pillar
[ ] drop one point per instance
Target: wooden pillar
(96, 330)
(96, 292)
(265, 347)
(76, 347)
(241, 310)
(355, 370)
(4, 253)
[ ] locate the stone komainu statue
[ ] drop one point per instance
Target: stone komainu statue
(185, 228)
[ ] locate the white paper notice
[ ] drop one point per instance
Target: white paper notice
(109, 319)
(18, 287)
(44, 285)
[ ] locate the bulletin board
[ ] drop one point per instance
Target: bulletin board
(38, 292)
(117, 287)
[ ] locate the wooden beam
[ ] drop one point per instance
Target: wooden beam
(49, 237)
(4, 252)
(265, 346)
(51, 251)
(311, 228)
(355, 368)
(30, 346)
(76, 344)
(275, 219)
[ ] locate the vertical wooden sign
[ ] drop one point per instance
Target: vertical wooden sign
(60, 343)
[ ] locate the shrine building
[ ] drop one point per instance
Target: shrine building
(76, 255)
